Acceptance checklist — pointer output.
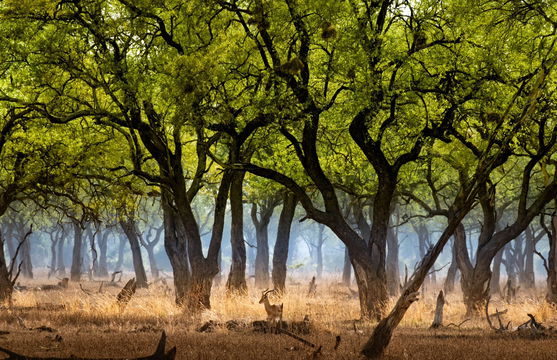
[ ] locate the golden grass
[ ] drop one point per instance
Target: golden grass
(91, 325)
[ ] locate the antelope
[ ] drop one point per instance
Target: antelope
(274, 312)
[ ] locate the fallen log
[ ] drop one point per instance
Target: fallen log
(159, 354)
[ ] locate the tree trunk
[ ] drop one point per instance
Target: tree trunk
(53, 242)
(347, 268)
(75, 272)
(393, 273)
(551, 295)
(121, 248)
(130, 229)
(375, 346)
(175, 244)
(438, 318)
(6, 287)
(261, 225)
(319, 250)
(237, 276)
(528, 278)
(450, 280)
(60, 265)
(9, 239)
(26, 263)
(474, 280)
(372, 288)
(103, 248)
(280, 255)
(152, 261)
(495, 283)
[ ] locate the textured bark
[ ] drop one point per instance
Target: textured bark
(130, 229)
(6, 286)
(280, 255)
(236, 282)
(75, 272)
(175, 244)
(381, 336)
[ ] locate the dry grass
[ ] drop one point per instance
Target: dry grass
(91, 325)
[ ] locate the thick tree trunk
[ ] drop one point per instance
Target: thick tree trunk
(528, 278)
(60, 265)
(450, 280)
(280, 255)
(261, 225)
(375, 346)
(121, 249)
(6, 287)
(347, 268)
(393, 273)
(237, 276)
(372, 288)
(474, 280)
(75, 272)
(130, 229)
(175, 244)
(103, 248)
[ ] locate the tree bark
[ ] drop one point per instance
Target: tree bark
(347, 268)
(75, 272)
(60, 265)
(551, 294)
(319, 250)
(495, 284)
(393, 273)
(130, 229)
(121, 248)
(175, 244)
(450, 280)
(103, 248)
(236, 282)
(149, 242)
(54, 238)
(261, 224)
(528, 278)
(25, 253)
(6, 286)
(280, 255)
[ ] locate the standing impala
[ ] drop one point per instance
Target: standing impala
(274, 312)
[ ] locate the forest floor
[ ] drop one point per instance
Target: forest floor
(90, 325)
